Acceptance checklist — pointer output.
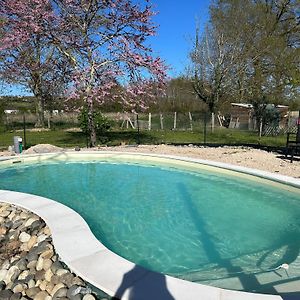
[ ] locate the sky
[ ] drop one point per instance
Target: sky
(176, 21)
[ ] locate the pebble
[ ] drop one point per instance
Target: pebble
(88, 297)
(24, 237)
(5, 294)
(34, 271)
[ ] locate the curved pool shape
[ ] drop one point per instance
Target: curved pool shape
(188, 220)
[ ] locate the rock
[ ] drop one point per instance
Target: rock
(31, 283)
(43, 285)
(32, 241)
(50, 287)
(4, 213)
(40, 275)
(47, 230)
(32, 292)
(42, 295)
(17, 224)
(16, 296)
(24, 247)
(22, 264)
(12, 274)
(32, 255)
(73, 291)
(78, 281)
(62, 292)
(47, 254)
(24, 237)
(5, 294)
(88, 297)
(48, 275)
(3, 230)
(61, 272)
(39, 264)
(47, 263)
(23, 275)
(18, 288)
(32, 264)
(2, 285)
(3, 273)
(30, 221)
(36, 225)
(56, 288)
(55, 279)
(76, 297)
(56, 266)
(67, 279)
(41, 238)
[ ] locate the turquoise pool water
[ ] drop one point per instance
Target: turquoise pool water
(200, 226)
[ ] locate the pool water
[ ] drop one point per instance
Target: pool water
(200, 226)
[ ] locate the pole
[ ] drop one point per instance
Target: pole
(138, 129)
(24, 132)
(298, 128)
(205, 121)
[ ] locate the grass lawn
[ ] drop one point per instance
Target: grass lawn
(63, 138)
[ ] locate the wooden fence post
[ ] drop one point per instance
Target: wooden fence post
(191, 121)
(149, 122)
(161, 122)
(175, 120)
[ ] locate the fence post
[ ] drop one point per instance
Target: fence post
(204, 133)
(24, 132)
(175, 120)
(138, 129)
(149, 122)
(161, 121)
(191, 121)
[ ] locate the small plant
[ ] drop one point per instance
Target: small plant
(102, 123)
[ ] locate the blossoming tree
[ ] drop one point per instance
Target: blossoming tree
(104, 42)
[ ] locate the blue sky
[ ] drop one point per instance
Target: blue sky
(177, 21)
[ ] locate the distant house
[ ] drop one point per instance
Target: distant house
(242, 116)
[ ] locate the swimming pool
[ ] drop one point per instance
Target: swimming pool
(194, 222)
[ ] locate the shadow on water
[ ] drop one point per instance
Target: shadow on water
(141, 284)
(248, 281)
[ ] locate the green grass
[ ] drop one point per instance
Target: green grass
(71, 139)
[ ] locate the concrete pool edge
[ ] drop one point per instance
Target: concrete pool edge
(87, 257)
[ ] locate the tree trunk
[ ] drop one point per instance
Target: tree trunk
(91, 124)
(39, 106)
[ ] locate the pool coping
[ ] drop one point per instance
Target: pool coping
(88, 258)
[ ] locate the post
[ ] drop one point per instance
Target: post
(138, 129)
(149, 122)
(298, 128)
(175, 120)
(204, 133)
(191, 121)
(212, 122)
(161, 122)
(24, 132)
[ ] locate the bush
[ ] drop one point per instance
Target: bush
(102, 123)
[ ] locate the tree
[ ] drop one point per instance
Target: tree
(266, 33)
(103, 42)
(212, 60)
(29, 57)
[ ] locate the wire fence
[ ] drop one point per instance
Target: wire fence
(191, 121)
